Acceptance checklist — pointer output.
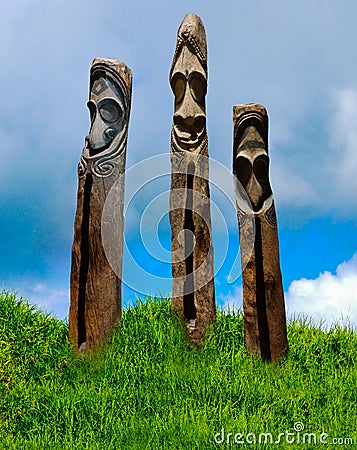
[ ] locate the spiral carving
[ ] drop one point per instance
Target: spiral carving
(270, 216)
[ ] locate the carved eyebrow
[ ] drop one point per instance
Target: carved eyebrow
(252, 144)
(117, 100)
(196, 74)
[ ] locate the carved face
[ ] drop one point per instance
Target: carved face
(189, 85)
(106, 107)
(252, 167)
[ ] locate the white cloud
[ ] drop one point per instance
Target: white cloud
(327, 165)
(329, 297)
(233, 300)
(51, 300)
(44, 118)
(291, 188)
(343, 139)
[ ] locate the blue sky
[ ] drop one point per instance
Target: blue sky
(296, 58)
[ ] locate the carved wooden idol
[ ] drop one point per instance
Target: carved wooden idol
(95, 288)
(192, 252)
(263, 296)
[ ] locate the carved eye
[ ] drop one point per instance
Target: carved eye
(179, 87)
(92, 110)
(198, 87)
(199, 124)
(243, 170)
(110, 111)
(261, 168)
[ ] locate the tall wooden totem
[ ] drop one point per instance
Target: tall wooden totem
(192, 252)
(263, 295)
(95, 287)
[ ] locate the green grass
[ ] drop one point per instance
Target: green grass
(149, 389)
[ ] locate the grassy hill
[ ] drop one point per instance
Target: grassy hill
(149, 389)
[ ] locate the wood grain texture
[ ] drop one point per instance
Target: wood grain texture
(263, 295)
(95, 288)
(192, 251)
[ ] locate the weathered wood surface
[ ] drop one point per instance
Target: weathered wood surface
(263, 295)
(192, 252)
(95, 291)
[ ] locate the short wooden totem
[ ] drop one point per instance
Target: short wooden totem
(192, 252)
(263, 295)
(95, 287)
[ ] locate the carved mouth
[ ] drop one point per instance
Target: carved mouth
(96, 151)
(187, 139)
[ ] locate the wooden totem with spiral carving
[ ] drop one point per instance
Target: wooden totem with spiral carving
(95, 291)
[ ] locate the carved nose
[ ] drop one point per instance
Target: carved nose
(100, 135)
(190, 124)
(255, 192)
